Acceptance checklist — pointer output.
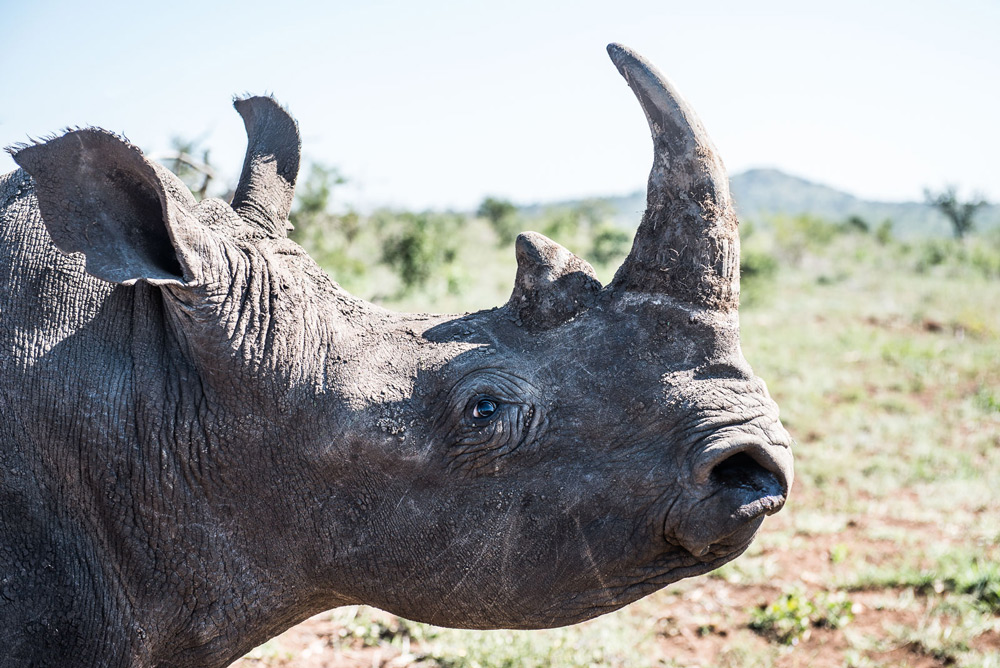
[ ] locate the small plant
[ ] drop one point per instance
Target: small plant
(787, 620)
(838, 553)
(832, 611)
(791, 618)
(988, 400)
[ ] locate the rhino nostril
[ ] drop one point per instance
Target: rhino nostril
(766, 490)
(739, 470)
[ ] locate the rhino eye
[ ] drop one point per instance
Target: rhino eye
(490, 414)
(484, 409)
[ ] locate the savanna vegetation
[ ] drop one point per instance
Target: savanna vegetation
(884, 356)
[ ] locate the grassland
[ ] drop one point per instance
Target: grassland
(885, 360)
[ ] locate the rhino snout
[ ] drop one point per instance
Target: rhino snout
(737, 485)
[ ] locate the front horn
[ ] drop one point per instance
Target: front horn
(688, 245)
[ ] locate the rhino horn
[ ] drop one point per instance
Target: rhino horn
(552, 284)
(267, 184)
(687, 245)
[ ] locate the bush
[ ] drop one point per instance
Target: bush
(758, 269)
(326, 236)
(795, 235)
(502, 216)
(984, 256)
(883, 233)
(977, 256)
(857, 224)
(418, 245)
(610, 243)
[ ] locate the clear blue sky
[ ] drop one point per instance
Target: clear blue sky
(436, 103)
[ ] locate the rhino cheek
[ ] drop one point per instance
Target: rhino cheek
(502, 564)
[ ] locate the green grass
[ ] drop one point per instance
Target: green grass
(947, 633)
(972, 571)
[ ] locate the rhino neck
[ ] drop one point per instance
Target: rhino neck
(167, 503)
(257, 395)
(224, 418)
(264, 321)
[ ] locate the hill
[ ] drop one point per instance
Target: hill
(761, 194)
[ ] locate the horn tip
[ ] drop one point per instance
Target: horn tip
(533, 246)
(616, 51)
(624, 57)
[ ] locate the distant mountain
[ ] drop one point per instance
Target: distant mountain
(760, 194)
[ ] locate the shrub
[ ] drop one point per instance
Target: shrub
(795, 235)
(502, 216)
(418, 245)
(610, 243)
(790, 619)
(757, 271)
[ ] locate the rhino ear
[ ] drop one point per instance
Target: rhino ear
(552, 284)
(267, 185)
(99, 196)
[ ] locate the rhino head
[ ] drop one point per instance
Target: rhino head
(532, 465)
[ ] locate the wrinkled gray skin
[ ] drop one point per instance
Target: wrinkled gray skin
(204, 439)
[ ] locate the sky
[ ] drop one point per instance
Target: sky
(436, 104)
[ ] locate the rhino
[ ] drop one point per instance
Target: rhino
(204, 439)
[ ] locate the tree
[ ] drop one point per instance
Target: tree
(418, 246)
(502, 216)
(960, 214)
(196, 172)
(312, 201)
